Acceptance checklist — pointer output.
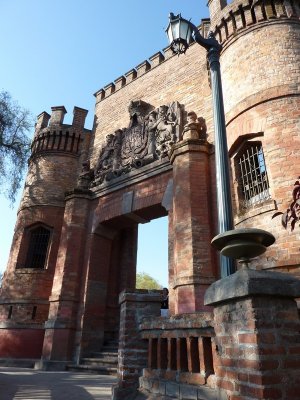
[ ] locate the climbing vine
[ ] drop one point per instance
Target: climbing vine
(292, 214)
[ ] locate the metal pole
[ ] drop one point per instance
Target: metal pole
(225, 216)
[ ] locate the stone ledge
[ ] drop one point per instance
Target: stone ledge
(181, 321)
(187, 146)
(140, 295)
(167, 389)
(248, 282)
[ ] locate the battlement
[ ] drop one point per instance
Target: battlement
(51, 134)
(144, 67)
(228, 18)
(57, 117)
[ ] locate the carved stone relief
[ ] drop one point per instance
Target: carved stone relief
(195, 128)
(148, 137)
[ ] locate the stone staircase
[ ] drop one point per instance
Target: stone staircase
(102, 363)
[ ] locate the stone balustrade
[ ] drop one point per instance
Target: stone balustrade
(180, 348)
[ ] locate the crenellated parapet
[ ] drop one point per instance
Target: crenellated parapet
(229, 19)
(52, 135)
(144, 67)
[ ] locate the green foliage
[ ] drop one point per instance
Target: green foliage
(15, 122)
(145, 281)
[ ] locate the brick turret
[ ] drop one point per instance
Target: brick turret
(56, 154)
(260, 64)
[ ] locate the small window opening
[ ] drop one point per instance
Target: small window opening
(33, 315)
(10, 310)
(38, 246)
(252, 177)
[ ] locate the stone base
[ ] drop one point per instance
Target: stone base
(124, 393)
(47, 365)
(163, 389)
(18, 362)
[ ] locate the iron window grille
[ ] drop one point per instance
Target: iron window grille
(38, 248)
(252, 174)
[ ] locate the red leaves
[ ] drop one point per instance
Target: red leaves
(292, 214)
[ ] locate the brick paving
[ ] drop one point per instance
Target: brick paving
(28, 384)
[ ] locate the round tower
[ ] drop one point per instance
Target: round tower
(57, 152)
(260, 64)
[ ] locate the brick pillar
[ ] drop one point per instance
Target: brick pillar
(257, 339)
(171, 263)
(57, 115)
(122, 276)
(94, 321)
(133, 350)
(194, 270)
(128, 256)
(61, 324)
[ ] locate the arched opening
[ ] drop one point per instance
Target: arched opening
(37, 249)
(152, 253)
(34, 251)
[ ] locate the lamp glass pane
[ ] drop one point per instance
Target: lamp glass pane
(189, 37)
(184, 29)
(175, 29)
(170, 33)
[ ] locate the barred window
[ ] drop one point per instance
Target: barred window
(38, 248)
(252, 177)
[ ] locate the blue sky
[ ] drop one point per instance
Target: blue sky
(60, 52)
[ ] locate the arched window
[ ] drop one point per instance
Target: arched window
(251, 174)
(37, 248)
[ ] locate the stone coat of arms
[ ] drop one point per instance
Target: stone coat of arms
(148, 137)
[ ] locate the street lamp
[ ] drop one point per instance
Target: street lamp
(181, 33)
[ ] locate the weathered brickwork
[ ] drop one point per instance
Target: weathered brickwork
(133, 352)
(91, 208)
(257, 335)
(172, 80)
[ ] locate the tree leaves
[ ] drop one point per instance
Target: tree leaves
(15, 122)
(145, 281)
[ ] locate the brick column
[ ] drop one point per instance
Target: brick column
(61, 324)
(192, 225)
(94, 319)
(133, 350)
(257, 330)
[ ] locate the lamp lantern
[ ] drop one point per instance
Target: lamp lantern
(179, 32)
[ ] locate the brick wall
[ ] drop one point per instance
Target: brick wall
(257, 339)
(183, 79)
(133, 351)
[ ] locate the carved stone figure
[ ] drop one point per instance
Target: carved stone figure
(86, 176)
(195, 127)
(148, 137)
(165, 124)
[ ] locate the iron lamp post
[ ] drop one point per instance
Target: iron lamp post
(181, 34)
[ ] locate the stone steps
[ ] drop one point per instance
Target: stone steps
(92, 369)
(104, 362)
